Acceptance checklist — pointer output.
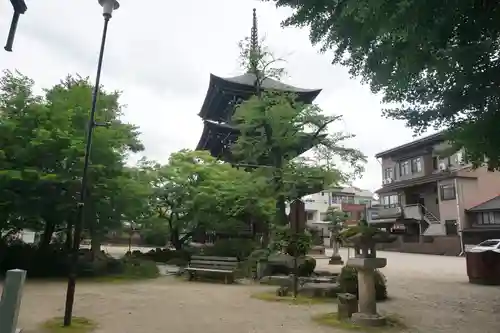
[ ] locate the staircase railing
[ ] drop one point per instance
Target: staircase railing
(427, 216)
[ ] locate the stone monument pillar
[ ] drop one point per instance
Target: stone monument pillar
(365, 262)
(11, 300)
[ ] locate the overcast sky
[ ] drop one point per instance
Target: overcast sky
(161, 53)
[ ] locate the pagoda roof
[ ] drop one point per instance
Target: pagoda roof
(224, 93)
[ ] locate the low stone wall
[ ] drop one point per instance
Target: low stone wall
(441, 245)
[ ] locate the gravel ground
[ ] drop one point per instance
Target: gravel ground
(430, 293)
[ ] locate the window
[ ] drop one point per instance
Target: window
(416, 165)
(310, 216)
(435, 163)
(404, 168)
(447, 192)
(336, 199)
(488, 218)
(388, 173)
(390, 200)
(444, 162)
(451, 227)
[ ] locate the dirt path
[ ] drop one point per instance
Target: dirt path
(165, 305)
(430, 293)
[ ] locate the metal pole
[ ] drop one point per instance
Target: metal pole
(70, 292)
(295, 254)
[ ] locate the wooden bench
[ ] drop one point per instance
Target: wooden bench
(208, 265)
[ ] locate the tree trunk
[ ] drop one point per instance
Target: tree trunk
(69, 236)
(48, 232)
(174, 239)
(95, 240)
(335, 247)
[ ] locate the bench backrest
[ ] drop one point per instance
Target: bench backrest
(211, 262)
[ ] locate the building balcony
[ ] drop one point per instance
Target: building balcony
(430, 225)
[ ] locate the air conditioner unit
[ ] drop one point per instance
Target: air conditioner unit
(384, 181)
(442, 166)
(389, 180)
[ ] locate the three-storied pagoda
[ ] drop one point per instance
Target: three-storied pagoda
(224, 94)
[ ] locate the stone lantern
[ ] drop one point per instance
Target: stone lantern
(366, 262)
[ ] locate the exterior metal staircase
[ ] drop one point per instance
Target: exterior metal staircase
(434, 225)
(430, 225)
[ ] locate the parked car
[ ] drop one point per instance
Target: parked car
(487, 245)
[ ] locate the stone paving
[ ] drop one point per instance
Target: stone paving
(430, 293)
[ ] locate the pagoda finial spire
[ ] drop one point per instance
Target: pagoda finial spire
(254, 45)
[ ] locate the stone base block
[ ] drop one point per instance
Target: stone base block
(335, 260)
(369, 320)
(320, 290)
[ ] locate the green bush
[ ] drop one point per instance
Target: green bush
(53, 262)
(316, 236)
(307, 268)
(348, 280)
(285, 241)
(248, 268)
(139, 269)
(161, 255)
(239, 248)
(154, 238)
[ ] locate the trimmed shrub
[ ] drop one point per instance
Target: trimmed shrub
(53, 262)
(239, 248)
(307, 268)
(139, 269)
(348, 280)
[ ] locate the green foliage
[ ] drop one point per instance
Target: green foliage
(307, 268)
(316, 236)
(348, 280)
(53, 262)
(161, 255)
(41, 158)
(436, 64)
(239, 248)
(284, 240)
(78, 325)
(139, 269)
(336, 219)
(195, 192)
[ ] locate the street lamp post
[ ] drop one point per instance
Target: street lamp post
(19, 7)
(108, 7)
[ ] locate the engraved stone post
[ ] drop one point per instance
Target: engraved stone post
(11, 300)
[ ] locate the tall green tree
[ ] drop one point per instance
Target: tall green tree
(42, 149)
(273, 129)
(195, 193)
(436, 63)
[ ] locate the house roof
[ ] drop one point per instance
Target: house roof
(433, 138)
(491, 204)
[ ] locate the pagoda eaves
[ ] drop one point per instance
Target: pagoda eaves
(225, 93)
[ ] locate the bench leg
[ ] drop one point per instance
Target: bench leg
(189, 275)
(225, 279)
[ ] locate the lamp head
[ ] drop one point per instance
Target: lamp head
(108, 6)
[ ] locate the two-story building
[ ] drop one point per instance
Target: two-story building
(351, 200)
(429, 197)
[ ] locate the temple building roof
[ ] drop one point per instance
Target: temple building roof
(225, 93)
